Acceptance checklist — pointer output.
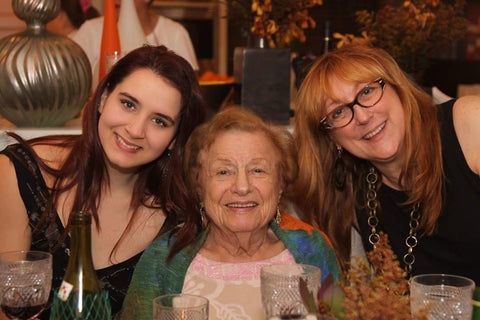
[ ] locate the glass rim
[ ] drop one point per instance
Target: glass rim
(39, 256)
(468, 282)
(35, 252)
(203, 300)
(308, 267)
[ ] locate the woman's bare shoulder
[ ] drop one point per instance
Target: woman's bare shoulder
(466, 120)
(467, 102)
(53, 155)
(6, 165)
(14, 231)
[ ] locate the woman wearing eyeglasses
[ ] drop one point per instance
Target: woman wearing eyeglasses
(375, 153)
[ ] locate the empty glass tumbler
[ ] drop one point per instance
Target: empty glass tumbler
(443, 296)
(280, 287)
(180, 306)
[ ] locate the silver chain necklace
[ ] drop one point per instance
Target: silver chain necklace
(411, 240)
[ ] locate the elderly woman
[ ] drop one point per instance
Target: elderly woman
(239, 168)
(376, 153)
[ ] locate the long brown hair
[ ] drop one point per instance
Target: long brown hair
(160, 183)
(422, 172)
(229, 119)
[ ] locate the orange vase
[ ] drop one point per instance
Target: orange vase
(110, 37)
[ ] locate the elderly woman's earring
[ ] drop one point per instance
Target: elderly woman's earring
(278, 216)
(339, 170)
(203, 215)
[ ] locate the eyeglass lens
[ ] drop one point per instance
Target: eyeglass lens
(367, 97)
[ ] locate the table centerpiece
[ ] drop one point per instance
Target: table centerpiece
(412, 31)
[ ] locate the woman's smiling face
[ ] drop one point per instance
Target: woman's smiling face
(138, 120)
(239, 183)
(375, 134)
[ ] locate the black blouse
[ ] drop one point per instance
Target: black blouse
(49, 237)
(455, 246)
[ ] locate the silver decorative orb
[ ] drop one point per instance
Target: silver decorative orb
(45, 78)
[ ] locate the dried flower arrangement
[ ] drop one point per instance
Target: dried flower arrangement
(279, 22)
(370, 292)
(411, 32)
(379, 291)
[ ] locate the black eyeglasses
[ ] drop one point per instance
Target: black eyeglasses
(366, 98)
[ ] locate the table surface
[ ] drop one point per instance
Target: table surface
(29, 133)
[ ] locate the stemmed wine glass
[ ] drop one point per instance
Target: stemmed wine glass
(25, 282)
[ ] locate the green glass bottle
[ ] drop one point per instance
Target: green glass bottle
(476, 304)
(80, 297)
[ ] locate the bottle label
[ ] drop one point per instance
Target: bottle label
(64, 290)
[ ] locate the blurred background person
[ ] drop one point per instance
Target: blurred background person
(240, 168)
(158, 30)
(72, 15)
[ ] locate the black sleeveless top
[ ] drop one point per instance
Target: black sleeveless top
(34, 193)
(455, 246)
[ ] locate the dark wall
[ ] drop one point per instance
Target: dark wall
(341, 17)
(458, 65)
(448, 74)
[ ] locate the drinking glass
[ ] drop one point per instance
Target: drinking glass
(280, 288)
(180, 306)
(25, 282)
(444, 296)
(111, 58)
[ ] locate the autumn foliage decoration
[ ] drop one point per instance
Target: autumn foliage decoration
(412, 31)
(277, 21)
(377, 291)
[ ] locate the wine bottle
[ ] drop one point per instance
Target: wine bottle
(476, 304)
(80, 297)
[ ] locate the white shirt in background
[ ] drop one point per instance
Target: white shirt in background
(167, 32)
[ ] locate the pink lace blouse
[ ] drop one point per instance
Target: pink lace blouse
(233, 289)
